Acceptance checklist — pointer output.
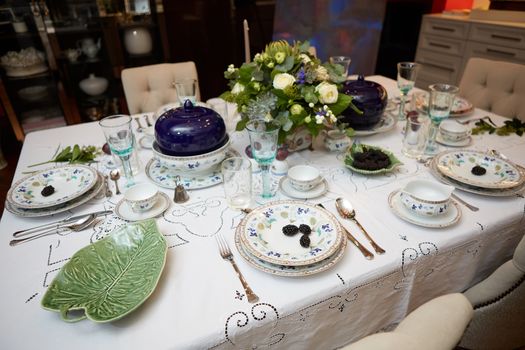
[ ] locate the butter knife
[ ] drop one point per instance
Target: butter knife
(57, 224)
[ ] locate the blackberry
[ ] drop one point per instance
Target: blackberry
(47, 191)
(305, 229)
(290, 230)
(304, 241)
(478, 170)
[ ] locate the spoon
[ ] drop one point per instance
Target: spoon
(115, 175)
(78, 225)
(346, 210)
(106, 185)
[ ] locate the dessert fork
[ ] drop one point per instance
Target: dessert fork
(226, 254)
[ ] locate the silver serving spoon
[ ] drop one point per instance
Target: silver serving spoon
(115, 176)
(78, 225)
(346, 210)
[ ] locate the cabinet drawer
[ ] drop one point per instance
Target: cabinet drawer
(447, 28)
(494, 52)
(498, 35)
(442, 45)
(437, 68)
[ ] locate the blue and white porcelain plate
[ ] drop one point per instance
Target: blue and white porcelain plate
(439, 221)
(261, 233)
(69, 182)
(165, 177)
(500, 174)
(290, 270)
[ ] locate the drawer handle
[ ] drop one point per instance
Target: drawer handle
(437, 66)
(503, 37)
(440, 45)
(499, 52)
(444, 29)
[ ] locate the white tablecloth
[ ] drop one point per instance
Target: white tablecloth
(199, 302)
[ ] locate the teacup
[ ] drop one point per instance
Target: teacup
(453, 131)
(141, 197)
(304, 177)
(426, 198)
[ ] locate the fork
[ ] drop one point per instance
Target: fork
(226, 254)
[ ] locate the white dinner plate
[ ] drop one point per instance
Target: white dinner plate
(287, 189)
(69, 182)
(123, 210)
(439, 221)
(460, 107)
(290, 271)
(386, 123)
(500, 174)
(261, 233)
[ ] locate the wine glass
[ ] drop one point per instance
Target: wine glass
(406, 78)
(263, 141)
(440, 101)
(186, 90)
(119, 136)
(343, 61)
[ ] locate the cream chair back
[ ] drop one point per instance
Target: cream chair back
(495, 86)
(149, 87)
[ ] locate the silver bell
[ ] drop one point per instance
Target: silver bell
(181, 195)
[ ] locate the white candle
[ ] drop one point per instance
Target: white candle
(246, 42)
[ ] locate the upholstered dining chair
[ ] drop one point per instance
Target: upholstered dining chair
(495, 86)
(149, 87)
(436, 325)
(499, 307)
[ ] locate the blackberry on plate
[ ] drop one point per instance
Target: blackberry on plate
(47, 191)
(478, 170)
(304, 241)
(305, 229)
(290, 230)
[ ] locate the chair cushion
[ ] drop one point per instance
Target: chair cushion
(385, 341)
(519, 256)
(495, 86)
(149, 87)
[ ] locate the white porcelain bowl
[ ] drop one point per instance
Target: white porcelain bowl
(93, 85)
(192, 164)
(304, 177)
(453, 131)
(426, 198)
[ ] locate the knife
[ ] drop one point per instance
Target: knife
(57, 224)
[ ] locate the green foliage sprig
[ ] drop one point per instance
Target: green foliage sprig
(73, 155)
(513, 126)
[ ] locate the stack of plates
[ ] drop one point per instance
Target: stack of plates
(502, 178)
(261, 242)
(73, 185)
(460, 107)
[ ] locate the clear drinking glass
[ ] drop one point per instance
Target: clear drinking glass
(343, 61)
(406, 78)
(186, 90)
(263, 139)
(237, 181)
(440, 102)
(415, 138)
(119, 136)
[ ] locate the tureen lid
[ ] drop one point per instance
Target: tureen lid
(362, 86)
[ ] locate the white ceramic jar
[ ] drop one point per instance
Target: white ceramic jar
(93, 85)
(137, 41)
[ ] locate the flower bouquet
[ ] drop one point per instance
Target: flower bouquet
(288, 87)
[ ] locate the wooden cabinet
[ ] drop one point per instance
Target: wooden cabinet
(446, 43)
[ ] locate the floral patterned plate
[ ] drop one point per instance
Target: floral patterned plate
(261, 233)
(290, 270)
(386, 123)
(500, 174)
(34, 213)
(449, 218)
(460, 107)
(69, 182)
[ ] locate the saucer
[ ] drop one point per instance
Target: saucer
(462, 143)
(124, 212)
(288, 190)
(449, 218)
(146, 142)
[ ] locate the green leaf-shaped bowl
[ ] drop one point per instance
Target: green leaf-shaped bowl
(110, 278)
(349, 160)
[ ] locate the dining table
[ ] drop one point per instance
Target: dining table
(199, 302)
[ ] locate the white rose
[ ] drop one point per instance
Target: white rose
(327, 92)
(237, 88)
(282, 80)
(322, 73)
